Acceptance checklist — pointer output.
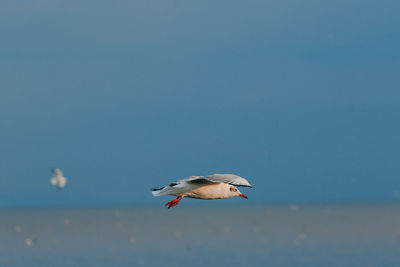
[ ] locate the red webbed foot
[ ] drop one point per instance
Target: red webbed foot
(173, 202)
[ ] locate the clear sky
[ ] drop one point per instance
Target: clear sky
(299, 97)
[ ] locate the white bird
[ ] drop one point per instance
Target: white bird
(214, 186)
(58, 180)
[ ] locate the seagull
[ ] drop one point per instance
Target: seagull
(213, 186)
(58, 180)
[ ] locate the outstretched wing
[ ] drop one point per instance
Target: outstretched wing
(56, 172)
(217, 178)
(228, 179)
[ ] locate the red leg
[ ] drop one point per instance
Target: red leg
(174, 202)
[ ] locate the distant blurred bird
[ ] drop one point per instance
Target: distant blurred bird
(214, 186)
(58, 180)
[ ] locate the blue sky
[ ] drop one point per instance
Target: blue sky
(301, 98)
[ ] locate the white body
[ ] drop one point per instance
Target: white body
(213, 191)
(58, 180)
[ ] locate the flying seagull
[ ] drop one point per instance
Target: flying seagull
(58, 179)
(214, 186)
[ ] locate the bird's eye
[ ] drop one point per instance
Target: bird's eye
(232, 189)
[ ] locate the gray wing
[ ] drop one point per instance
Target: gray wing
(217, 178)
(56, 172)
(228, 179)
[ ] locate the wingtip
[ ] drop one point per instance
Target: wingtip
(155, 193)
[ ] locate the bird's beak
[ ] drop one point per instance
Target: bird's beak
(243, 195)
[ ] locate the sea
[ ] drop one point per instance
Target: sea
(208, 235)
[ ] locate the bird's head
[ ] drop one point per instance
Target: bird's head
(236, 193)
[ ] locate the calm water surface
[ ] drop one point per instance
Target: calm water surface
(283, 235)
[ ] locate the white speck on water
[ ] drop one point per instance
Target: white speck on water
(177, 234)
(29, 242)
(293, 207)
(18, 229)
(303, 236)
